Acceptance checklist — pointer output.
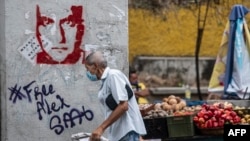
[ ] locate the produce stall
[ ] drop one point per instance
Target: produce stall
(174, 119)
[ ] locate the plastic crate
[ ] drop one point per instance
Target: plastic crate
(156, 128)
(144, 111)
(180, 126)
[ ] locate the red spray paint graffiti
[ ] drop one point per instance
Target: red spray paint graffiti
(66, 43)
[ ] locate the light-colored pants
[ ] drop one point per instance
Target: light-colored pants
(131, 136)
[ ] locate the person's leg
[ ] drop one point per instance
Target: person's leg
(131, 136)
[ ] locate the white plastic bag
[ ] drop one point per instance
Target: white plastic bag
(84, 137)
(241, 65)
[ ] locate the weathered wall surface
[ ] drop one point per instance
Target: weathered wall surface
(45, 94)
(172, 32)
(173, 71)
(2, 63)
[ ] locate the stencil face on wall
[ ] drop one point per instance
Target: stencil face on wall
(65, 30)
(58, 36)
(31, 47)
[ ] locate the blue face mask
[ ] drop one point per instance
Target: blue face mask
(91, 77)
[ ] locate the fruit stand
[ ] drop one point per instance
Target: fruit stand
(172, 119)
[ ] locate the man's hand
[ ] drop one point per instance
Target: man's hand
(96, 134)
(116, 114)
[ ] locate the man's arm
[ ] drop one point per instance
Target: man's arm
(116, 114)
(142, 93)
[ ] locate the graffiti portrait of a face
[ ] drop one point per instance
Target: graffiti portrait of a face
(64, 29)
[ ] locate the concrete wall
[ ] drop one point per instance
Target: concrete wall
(175, 71)
(2, 63)
(172, 30)
(169, 75)
(49, 99)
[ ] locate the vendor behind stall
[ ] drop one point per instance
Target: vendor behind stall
(140, 90)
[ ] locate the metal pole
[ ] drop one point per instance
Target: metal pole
(201, 25)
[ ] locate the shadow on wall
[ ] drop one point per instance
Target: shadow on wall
(173, 71)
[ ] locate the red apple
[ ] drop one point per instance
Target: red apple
(236, 120)
(213, 119)
(228, 117)
(209, 123)
(206, 117)
(221, 123)
(215, 124)
(233, 113)
(196, 119)
(210, 114)
(212, 108)
(224, 116)
(201, 120)
(201, 113)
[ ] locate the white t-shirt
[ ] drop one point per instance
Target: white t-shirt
(114, 82)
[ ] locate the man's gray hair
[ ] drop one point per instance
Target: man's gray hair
(97, 57)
